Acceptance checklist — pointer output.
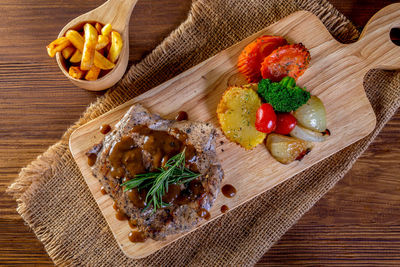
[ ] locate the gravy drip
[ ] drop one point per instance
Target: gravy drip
(228, 191)
(182, 116)
(92, 159)
(103, 190)
(136, 236)
(224, 208)
(105, 128)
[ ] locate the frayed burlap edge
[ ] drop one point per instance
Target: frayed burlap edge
(31, 177)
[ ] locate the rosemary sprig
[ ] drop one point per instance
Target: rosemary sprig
(174, 172)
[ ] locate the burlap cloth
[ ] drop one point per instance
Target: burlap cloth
(55, 202)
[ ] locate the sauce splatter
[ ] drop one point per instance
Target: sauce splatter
(228, 191)
(105, 128)
(182, 116)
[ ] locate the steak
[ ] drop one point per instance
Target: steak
(199, 194)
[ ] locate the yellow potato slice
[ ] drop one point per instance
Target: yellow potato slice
(98, 27)
(236, 113)
(116, 46)
(57, 46)
(106, 30)
(99, 60)
(76, 72)
(76, 56)
(68, 52)
(92, 74)
(89, 46)
(102, 41)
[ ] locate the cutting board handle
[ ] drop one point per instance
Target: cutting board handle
(375, 46)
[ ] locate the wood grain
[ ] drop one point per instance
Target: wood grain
(335, 75)
(33, 90)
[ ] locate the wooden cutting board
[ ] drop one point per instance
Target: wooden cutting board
(335, 75)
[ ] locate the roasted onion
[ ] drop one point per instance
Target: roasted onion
(308, 135)
(287, 149)
(312, 115)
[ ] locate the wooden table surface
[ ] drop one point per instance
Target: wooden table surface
(357, 222)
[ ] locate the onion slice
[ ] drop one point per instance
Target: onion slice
(308, 135)
(312, 115)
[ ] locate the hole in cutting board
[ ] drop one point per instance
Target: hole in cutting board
(395, 36)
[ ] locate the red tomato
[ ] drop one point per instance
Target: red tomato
(285, 122)
(265, 119)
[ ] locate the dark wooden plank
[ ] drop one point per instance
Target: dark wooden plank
(37, 103)
(355, 223)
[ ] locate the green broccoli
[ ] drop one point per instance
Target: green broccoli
(284, 96)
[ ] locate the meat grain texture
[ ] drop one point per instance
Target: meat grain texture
(175, 218)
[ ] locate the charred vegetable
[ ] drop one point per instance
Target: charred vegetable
(288, 60)
(308, 135)
(287, 149)
(253, 55)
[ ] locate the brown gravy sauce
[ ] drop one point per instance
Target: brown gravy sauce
(119, 214)
(127, 160)
(103, 190)
(136, 236)
(133, 223)
(203, 213)
(182, 116)
(105, 128)
(228, 191)
(92, 159)
(224, 208)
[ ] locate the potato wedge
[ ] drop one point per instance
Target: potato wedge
(76, 57)
(116, 46)
(68, 52)
(98, 27)
(102, 41)
(57, 46)
(236, 113)
(92, 74)
(89, 46)
(99, 60)
(76, 72)
(106, 30)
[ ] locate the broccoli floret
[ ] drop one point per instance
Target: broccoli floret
(284, 96)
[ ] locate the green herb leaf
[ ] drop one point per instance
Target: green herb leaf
(174, 172)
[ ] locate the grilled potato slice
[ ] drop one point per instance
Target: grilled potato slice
(236, 113)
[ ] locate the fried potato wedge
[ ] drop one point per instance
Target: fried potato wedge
(68, 52)
(102, 41)
(92, 74)
(116, 46)
(76, 72)
(76, 57)
(99, 60)
(57, 46)
(89, 46)
(106, 30)
(98, 27)
(236, 113)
